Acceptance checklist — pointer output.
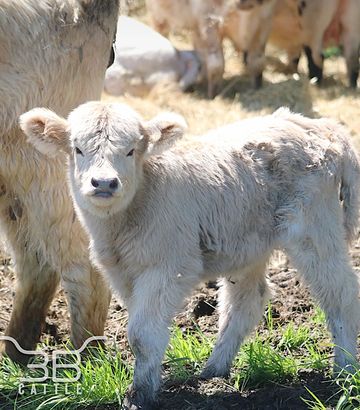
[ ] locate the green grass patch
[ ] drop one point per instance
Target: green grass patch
(347, 389)
(104, 379)
(332, 52)
(349, 386)
(187, 352)
(268, 359)
(276, 355)
(259, 363)
(294, 337)
(318, 317)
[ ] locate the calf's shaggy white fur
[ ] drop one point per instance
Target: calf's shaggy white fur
(165, 213)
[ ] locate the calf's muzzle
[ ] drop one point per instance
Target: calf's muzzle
(105, 185)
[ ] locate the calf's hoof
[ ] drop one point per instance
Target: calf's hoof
(210, 372)
(137, 400)
(343, 370)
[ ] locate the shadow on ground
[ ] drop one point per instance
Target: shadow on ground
(293, 93)
(218, 395)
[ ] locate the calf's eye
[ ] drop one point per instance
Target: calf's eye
(78, 151)
(130, 153)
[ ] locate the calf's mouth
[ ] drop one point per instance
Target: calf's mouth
(102, 194)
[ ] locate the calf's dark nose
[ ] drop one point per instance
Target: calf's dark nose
(108, 184)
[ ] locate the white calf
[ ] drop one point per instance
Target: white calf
(164, 215)
(144, 58)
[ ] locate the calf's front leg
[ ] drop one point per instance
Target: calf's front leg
(156, 298)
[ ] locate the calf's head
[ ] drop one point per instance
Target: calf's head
(106, 145)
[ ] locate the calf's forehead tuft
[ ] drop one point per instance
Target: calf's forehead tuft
(97, 118)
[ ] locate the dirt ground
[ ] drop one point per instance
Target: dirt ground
(291, 299)
(290, 302)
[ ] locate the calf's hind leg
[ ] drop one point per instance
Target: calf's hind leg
(322, 258)
(242, 299)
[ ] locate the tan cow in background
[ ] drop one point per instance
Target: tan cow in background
(292, 25)
(203, 19)
(331, 22)
(295, 25)
(52, 53)
(248, 26)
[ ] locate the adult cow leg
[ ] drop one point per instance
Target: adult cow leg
(255, 66)
(315, 68)
(35, 289)
(47, 243)
(88, 297)
(87, 294)
(351, 52)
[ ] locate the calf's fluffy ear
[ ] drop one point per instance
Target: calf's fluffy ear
(163, 131)
(46, 131)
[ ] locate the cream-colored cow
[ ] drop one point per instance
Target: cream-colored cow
(53, 53)
(203, 19)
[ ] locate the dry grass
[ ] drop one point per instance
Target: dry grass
(238, 100)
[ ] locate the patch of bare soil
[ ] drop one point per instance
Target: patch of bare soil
(291, 302)
(218, 395)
